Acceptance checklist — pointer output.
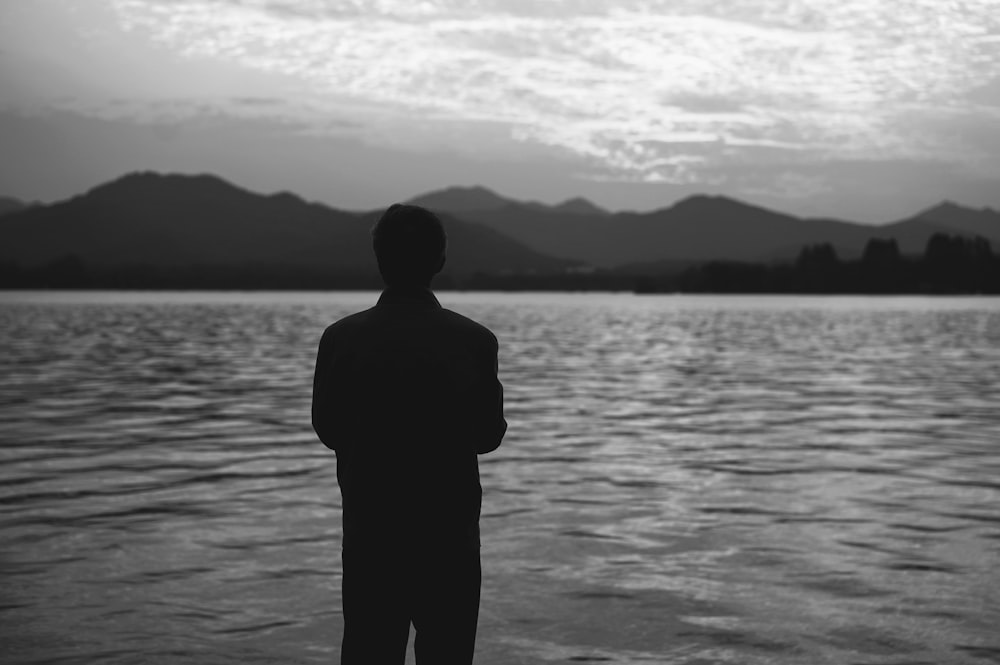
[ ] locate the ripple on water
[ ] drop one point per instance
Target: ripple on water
(747, 480)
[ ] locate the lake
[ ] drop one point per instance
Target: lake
(780, 480)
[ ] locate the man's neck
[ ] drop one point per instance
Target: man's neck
(418, 295)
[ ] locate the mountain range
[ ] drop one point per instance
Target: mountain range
(9, 204)
(180, 221)
(696, 229)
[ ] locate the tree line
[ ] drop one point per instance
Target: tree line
(949, 265)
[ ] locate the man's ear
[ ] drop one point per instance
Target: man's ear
(444, 257)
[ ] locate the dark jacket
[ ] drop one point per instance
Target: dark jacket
(407, 395)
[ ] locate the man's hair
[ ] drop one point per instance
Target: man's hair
(410, 244)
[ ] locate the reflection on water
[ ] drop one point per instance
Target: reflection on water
(685, 480)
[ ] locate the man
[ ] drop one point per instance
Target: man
(407, 395)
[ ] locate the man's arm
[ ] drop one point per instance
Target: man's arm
(323, 394)
(494, 426)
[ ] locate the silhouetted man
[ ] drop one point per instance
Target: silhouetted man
(407, 395)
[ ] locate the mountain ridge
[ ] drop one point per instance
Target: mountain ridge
(978, 221)
(169, 221)
(703, 227)
(175, 219)
(9, 204)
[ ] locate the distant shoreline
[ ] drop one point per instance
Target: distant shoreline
(950, 265)
(635, 292)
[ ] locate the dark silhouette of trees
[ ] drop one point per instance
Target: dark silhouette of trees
(818, 268)
(728, 277)
(882, 267)
(956, 264)
(950, 265)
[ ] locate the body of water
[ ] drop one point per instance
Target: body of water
(685, 480)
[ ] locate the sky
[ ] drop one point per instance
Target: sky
(868, 110)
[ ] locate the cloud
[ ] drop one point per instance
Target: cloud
(787, 185)
(987, 94)
(651, 90)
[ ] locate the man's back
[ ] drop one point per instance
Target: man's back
(407, 395)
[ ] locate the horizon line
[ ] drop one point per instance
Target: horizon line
(493, 192)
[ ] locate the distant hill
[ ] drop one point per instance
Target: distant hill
(699, 228)
(463, 199)
(579, 206)
(984, 221)
(149, 221)
(177, 221)
(9, 204)
(459, 200)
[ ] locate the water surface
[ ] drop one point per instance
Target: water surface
(685, 480)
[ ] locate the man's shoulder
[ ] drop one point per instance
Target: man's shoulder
(469, 326)
(359, 324)
(349, 323)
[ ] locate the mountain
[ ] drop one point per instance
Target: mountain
(959, 219)
(179, 221)
(459, 200)
(698, 228)
(463, 199)
(579, 206)
(9, 204)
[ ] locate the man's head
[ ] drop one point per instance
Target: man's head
(410, 244)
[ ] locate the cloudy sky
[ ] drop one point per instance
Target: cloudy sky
(861, 109)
